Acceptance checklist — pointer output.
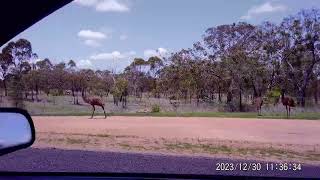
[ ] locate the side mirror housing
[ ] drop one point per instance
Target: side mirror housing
(16, 130)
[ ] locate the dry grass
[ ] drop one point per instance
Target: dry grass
(204, 147)
(63, 105)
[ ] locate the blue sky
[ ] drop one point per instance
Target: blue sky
(108, 34)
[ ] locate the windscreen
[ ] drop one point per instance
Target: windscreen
(173, 86)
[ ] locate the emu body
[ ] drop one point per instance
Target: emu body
(93, 101)
(288, 102)
(258, 102)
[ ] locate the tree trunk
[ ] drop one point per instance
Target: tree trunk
(5, 87)
(240, 99)
(73, 95)
(37, 92)
(77, 98)
(270, 85)
(72, 91)
(32, 95)
(219, 94)
(316, 97)
(198, 99)
(141, 96)
(185, 97)
(302, 97)
(229, 97)
(306, 79)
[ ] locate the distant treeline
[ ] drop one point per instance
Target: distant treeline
(230, 61)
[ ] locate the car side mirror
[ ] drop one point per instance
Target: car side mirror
(16, 130)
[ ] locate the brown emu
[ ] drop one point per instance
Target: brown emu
(288, 102)
(258, 102)
(94, 102)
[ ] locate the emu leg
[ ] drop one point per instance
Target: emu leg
(124, 102)
(287, 111)
(93, 111)
(259, 111)
(105, 116)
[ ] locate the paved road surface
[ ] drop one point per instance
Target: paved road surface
(57, 160)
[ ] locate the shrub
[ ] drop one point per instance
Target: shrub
(273, 96)
(155, 108)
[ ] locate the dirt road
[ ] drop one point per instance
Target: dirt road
(228, 136)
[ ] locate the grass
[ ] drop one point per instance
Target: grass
(305, 115)
(130, 147)
(223, 149)
(196, 147)
(77, 141)
(250, 115)
(63, 107)
(186, 147)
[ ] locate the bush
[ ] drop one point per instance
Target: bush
(155, 108)
(234, 107)
(273, 96)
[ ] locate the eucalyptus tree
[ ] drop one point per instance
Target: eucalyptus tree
(300, 50)
(135, 74)
(155, 63)
(72, 80)
(229, 44)
(16, 63)
(58, 78)
(5, 64)
(44, 67)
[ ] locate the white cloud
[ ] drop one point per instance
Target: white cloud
(263, 8)
(104, 5)
(131, 53)
(150, 52)
(162, 51)
(86, 2)
(32, 61)
(158, 52)
(92, 43)
(85, 63)
(113, 55)
(107, 56)
(111, 6)
(123, 37)
(94, 38)
(89, 34)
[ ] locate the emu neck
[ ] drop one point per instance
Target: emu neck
(282, 95)
(85, 99)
